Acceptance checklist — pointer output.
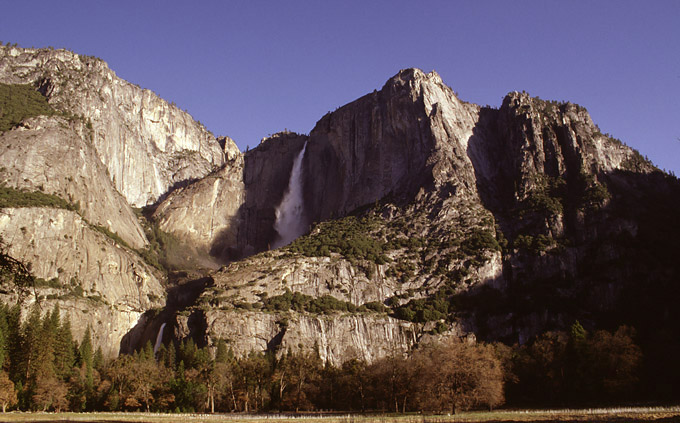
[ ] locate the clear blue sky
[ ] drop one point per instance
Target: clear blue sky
(249, 68)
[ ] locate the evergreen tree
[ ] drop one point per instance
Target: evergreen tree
(14, 344)
(86, 354)
(64, 350)
(98, 359)
(181, 388)
(579, 384)
(166, 355)
(187, 353)
(222, 353)
(31, 332)
(4, 334)
(148, 352)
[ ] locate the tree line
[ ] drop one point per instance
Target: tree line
(44, 368)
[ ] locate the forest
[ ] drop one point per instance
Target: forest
(44, 368)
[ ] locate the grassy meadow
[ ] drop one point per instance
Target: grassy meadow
(604, 415)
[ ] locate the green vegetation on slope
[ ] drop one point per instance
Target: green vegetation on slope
(164, 252)
(325, 304)
(18, 198)
(349, 236)
(546, 197)
(18, 102)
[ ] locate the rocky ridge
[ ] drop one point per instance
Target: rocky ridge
(58, 160)
(429, 217)
(468, 220)
(96, 281)
(147, 145)
(107, 146)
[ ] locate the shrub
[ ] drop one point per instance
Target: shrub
(479, 240)
(299, 302)
(349, 236)
(428, 309)
(547, 196)
(113, 235)
(374, 306)
(162, 249)
(535, 244)
(18, 102)
(12, 197)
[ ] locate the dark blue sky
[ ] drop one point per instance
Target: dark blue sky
(250, 68)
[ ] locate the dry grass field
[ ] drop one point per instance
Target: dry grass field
(654, 414)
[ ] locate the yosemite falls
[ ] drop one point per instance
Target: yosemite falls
(291, 221)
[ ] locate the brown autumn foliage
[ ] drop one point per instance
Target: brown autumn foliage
(50, 393)
(47, 370)
(8, 395)
(458, 375)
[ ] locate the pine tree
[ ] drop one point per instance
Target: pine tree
(222, 354)
(85, 350)
(4, 334)
(146, 354)
(64, 350)
(98, 360)
(14, 343)
(86, 361)
(181, 388)
(166, 355)
(187, 353)
(31, 332)
(579, 383)
(48, 335)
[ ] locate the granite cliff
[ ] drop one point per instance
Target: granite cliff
(429, 217)
(104, 147)
(455, 218)
(147, 145)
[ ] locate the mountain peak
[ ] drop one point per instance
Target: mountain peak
(411, 76)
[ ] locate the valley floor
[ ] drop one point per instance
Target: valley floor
(628, 414)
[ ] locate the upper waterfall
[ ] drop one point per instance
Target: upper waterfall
(291, 221)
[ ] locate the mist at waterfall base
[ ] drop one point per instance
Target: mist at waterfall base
(291, 221)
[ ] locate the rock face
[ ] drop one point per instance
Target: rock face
(338, 337)
(382, 145)
(231, 213)
(207, 214)
(147, 145)
(470, 220)
(266, 181)
(110, 145)
(97, 282)
(430, 217)
(104, 285)
(59, 160)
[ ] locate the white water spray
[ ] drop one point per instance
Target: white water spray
(159, 339)
(290, 214)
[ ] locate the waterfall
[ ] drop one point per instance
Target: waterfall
(290, 214)
(159, 339)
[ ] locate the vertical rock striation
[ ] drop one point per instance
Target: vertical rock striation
(54, 156)
(147, 145)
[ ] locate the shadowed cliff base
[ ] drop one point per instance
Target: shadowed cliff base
(184, 287)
